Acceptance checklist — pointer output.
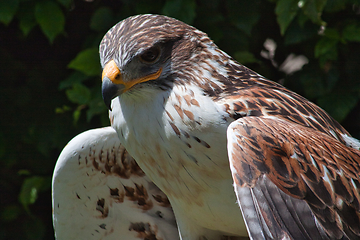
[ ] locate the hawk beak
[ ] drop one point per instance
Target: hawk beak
(113, 83)
(109, 91)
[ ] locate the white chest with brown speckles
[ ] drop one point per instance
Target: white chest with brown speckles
(186, 157)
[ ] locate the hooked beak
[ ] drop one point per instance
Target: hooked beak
(110, 90)
(113, 84)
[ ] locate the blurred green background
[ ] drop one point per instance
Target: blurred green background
(50, 75)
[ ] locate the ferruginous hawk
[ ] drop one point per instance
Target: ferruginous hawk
(236, 154)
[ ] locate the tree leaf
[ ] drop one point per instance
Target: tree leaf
(325, 45)
(297, 34)
(30, 189)
(312, 84)
(313, 9)
(286, 11)
(76, 115)
(50, 18)
(96, 107)
(8, 10)
(26, 17)
(79, 94)
(245, 57)
(183, 10)
(243, 14)
(352, 32)
(63, 109)
(87, 62)
(326, 50)
(75, 77)
(332, 33)
(302, 19)
(338, 105)
(102, 19)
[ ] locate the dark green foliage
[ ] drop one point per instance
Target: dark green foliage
(50, 75)
(50, 18)
(8, 10)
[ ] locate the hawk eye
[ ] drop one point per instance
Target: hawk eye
(150, 55)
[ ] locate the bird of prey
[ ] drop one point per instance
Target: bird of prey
(236, 154)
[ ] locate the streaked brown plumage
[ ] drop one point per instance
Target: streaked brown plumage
(304, 164)
(178, 100)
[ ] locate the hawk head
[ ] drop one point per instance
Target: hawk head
(149, 52)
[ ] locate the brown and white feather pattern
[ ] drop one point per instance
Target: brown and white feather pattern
(99, 192)
(295, 169)
(304, 164)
